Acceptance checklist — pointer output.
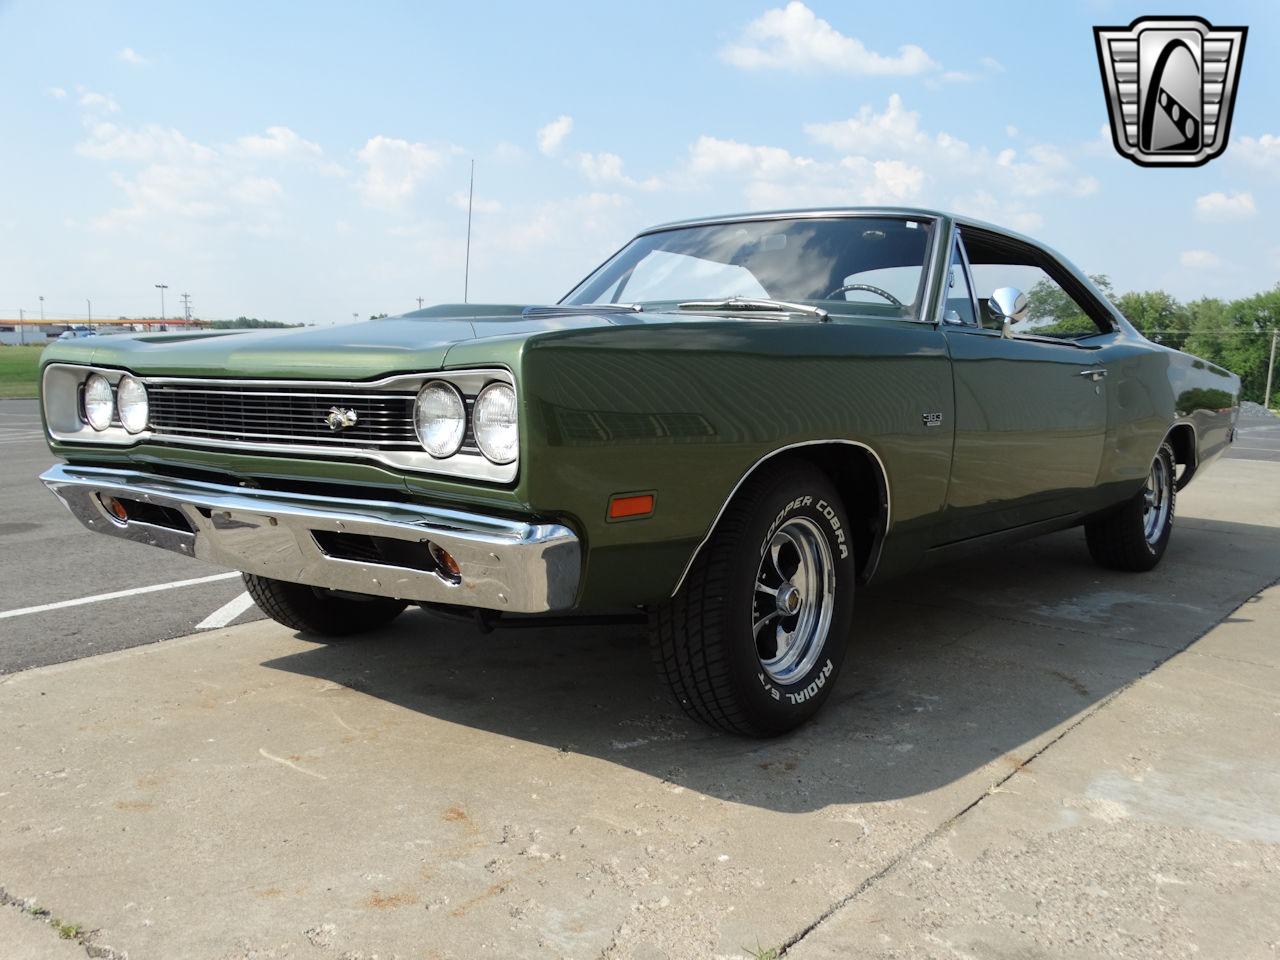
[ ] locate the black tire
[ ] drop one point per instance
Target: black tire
(1119, 538)
(702, 640)
(319, 612)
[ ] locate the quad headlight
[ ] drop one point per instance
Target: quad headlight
(99, 402)
(131, 404)
(440, 418)
(495, 422)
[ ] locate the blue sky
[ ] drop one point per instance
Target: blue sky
(307, 162)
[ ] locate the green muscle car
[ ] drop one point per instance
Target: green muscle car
(724, 431)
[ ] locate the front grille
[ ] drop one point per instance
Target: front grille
(282, 415)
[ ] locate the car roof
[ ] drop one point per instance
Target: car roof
(923, 213)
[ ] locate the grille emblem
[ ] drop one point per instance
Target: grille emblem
(340, 418)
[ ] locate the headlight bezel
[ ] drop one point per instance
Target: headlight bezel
(492, 390)
(454, 440)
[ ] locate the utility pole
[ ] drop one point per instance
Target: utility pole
(162, 287)
(186, 307)
(466, 275)
(419, 303)
(1271, 369)
(22, 331)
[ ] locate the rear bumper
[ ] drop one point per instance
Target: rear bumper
(503, 564)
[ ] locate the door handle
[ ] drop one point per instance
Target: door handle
(1094, 373)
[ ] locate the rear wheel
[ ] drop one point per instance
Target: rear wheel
(1135, 536)
(320, 612)
(754, 639)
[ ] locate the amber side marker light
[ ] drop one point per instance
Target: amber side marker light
(116, 508)
(631, 506)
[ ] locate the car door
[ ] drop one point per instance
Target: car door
(1030, 411)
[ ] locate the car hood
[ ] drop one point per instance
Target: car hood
(354, 351)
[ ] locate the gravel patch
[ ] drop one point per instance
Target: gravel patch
(1249, 410)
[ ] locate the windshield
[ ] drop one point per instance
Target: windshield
(876, 263)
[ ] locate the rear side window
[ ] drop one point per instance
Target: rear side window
(1057, 306)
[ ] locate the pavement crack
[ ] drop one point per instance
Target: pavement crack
(948, 824)
(60, 927)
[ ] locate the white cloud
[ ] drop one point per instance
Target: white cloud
(57, 93)
(393, 170)
(992, 65)
(552, 135)
(1046, 171)
(1039, 170)
(1262, 152)
(606, 168)
(279, 142)
(99, 102)
(130, 55)
(712, 155)
(151, 143)
(257, 191)
(775, 177)
(1199, 259)
(1010, 131)
(896, 130)
(1223, 207)
(795, 38)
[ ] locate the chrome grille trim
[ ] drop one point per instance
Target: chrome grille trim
(286, 417)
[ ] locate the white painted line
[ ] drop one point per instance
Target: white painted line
(226, 613)
(81, 601)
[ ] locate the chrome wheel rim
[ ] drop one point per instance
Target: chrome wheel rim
(792, 603)
(1155, 500)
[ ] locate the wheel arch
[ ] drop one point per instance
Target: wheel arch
(1184, 441)
(858, 473)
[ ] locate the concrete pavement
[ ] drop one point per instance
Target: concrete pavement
(431, 792)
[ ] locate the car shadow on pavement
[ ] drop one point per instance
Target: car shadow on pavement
(952, 670)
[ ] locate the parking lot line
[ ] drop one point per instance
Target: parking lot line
(226, 613)
(115, 595)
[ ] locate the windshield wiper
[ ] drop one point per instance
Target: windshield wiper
(576, 308)
(746, 305)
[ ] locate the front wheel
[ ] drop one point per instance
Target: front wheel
(320, 612)
(1135, 536)
(754, 640)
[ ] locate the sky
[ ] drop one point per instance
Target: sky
(309, 162)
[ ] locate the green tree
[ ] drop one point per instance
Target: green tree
(1158, 316)
(1237, 335)
(1051, 311)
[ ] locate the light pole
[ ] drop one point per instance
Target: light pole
(1271, 369)
(162, 287)
(89, 303)
(22, 335)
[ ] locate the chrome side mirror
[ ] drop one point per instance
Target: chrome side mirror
(1007, 304)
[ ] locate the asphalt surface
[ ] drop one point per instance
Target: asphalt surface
(47, 557)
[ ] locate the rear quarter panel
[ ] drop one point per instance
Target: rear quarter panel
(1151, 388)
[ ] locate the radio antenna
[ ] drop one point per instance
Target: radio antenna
(466, 274)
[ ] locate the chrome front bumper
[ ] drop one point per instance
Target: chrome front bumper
(503, 564)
